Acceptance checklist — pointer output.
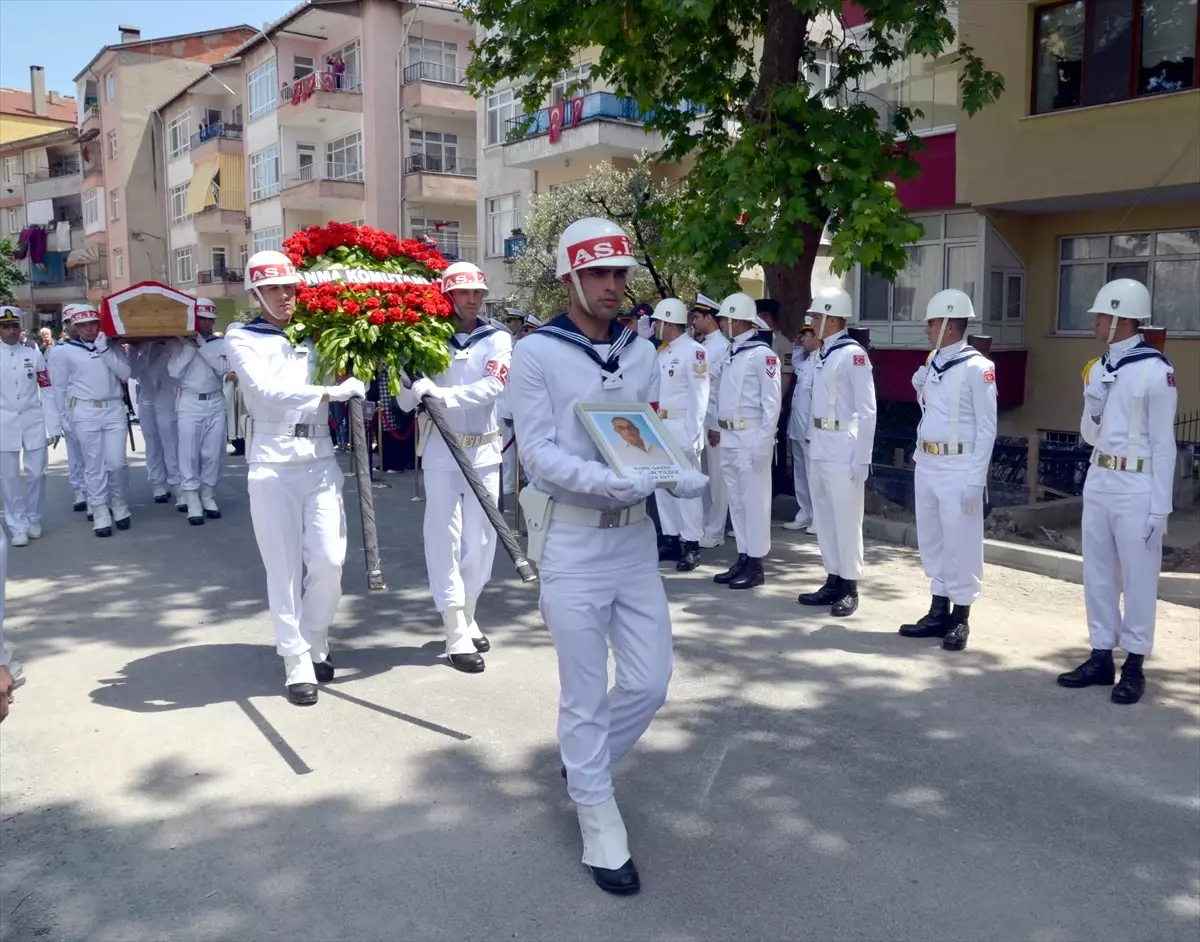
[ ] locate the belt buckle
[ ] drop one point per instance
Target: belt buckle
(1108, 462)
(97, 404)
(610, 519)
(469, 441)
(300, 431)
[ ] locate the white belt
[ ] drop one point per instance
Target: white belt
(1120, 462)
(738, 425)
(474, 441)
(202, 397)
(827, 425)
(604, 519)
(946, 448)
(671, 414)
(293, 431)
(94, 403)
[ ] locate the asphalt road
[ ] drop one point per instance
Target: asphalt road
(808, 777)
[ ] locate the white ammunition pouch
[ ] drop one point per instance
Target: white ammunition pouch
(538, 507)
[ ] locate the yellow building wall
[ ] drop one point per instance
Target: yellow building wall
(19, 127)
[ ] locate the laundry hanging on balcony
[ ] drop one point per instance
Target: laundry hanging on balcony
(201, 193)
(40, 212)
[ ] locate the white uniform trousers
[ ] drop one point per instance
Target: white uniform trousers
(201, 443)
(105, 466)
(23, 505)
(161, 433)
(749, 500)
(300, 527)
(799, 453)
(681, 517)
(460, 543)
(837, 517)
(75, 463)
(951, 542)
(583, 610)
(508, 463)
(716, 497)
(1116, 562)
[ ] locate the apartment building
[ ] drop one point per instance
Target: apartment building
(33, 112)
(123, 184)
(354, 112)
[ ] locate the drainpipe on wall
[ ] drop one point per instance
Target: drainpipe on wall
(400, 148)
(167, 246)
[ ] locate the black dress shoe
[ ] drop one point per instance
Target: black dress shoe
(934, 624)
(162, 498)
(482, 645)
(1132, 684)
(847, 604)
(124, 524)
(690, 557)
(182, 508)
(196, 521)
(467, 663)
(750, 576)
(103, 531)
(623, 881)
(213, 514)
(826, 595)
(89, 517)
(80, 505)
(302, 694)
(669, 550)
(726, 577)
(1096, 670)
(956, 635)
(324, 670)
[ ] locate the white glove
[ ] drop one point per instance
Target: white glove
(972, 499)
(426, 387)
(760, 460)
(1156, 526)
(858, 473)
(630, 489)
(919, 378)
(1096, 394)
(691, 483)
(346, 390)
(101, 342)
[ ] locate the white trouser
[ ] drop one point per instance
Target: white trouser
(583, 610)
(951, 542)
(838, 517)
(75, 464)
(160, 430)
(1114, 556)
(23, 505)
(799, 455)
(716, 497)
(678, 516)
(300, 527)
(201, 443)
(105, 468)
(508, 462)
(460, 543)
(749, 500)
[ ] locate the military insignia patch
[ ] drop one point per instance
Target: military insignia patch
(700, 355)
(772, 367)
(860, 360)
(1170, 379)
(497, 369)
(700, 368)
(43, 378)
(989, 376)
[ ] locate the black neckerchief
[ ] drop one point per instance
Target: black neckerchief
(966, 353)
(1142, 351)
(260, 325)
(482, 329)
(562, 328)
(749, 345)
(76, 342)
(843, 342)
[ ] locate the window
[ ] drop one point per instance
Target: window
(571, 83)
(503, 216)
(1006, 297)
(92, 219)
(118, 263)
(1168, 263)
(268, 239)
(184, 272)
(179, 211)
(946, 256)
(434, 151)
(351, 55)
(920, 83)
(344, 158)
(264, 173)
(13, 214)
(179, 134)
(1088, 52)
(112, 145)
(446, 232)
(262, 89)
(114, 204)
(218, 261)
(235, 117)
(438, 61)
(110, 86)
(12, 170)
(500, 107)
(243, 255)
(302, 66)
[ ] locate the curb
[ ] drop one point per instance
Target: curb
(1181, 588)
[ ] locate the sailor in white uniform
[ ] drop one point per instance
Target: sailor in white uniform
(157, 392)
(460, 543)
(29, 425)
(200, 365)
(75, 466)
(295, 484)
(707, 330)
(591, 537)
(799, 429)
(93, 373)
(1129, 418)
(957, 392)
(843, 438)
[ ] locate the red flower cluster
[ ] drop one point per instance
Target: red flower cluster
(379, 302)
(306, 244)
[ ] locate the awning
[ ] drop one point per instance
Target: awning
(232, 179)
(200, 190)
(89, 254)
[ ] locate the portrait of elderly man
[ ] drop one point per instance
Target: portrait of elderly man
(632, 450)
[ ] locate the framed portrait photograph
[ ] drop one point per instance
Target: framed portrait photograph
(632, 438)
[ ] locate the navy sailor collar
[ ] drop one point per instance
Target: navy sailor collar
(260, 325)
(564, 329)
(482, 329)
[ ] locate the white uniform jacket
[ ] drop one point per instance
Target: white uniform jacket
(199, 366)
(958, 411)
(25, 417)
(92, 382)
(277, 384)
(749, 397)
(716, 353)
(681, 390)
(843, 403)
(800, 419)
(148, 364)
(471, 390)
(1136, 429)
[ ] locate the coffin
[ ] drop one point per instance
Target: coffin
(148, 311)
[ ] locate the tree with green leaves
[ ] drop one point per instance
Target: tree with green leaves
(10, 274)
(779, 156)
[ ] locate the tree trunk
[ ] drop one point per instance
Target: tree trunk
(791, 285)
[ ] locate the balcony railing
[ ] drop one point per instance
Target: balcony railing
(434, 72)
(68, 169)
(228, 276)
(225, 129)
(101, 283)
(514, 246)
(453, 246)
(90, 109)
(304, 88)
(596, 106)
(346, 173)
(47, 280)
(429, 163)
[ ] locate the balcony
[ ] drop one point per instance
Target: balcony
(89, 120)
(593, 127)
(225, 283)
(334, 188)
(435, 179)
(436, 90)
(514, 247)
(219, 138)
(54, 182)
(57, 285)
(97, 288)
(311, 101)
(454, 247)
(213, 220)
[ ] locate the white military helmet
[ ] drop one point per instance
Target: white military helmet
(1123, 298)
(593, 242)
(670, 311)
(833, 302)
(205, 308)
(741, 307)
(80, 313)
(463, 275)
(270, 268)
(952, 304)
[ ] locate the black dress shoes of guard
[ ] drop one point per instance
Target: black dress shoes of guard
(1132, 684)
(956, 635)
(689, 557)
(826, 595)
(726, 577)
(934, 624)
(1097, 670)
(624, 881)
(847, 603)
(750, 576)
(482, 645)
(302, 694)
(324, 670)
(669, 550)
(467, 663)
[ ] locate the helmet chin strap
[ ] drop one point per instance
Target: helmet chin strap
(579, 293)
(1112, 328)
(937, 344)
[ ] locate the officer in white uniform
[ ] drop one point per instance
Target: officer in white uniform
(199, 366)
(75, 466)
(799, 428)
(956, 389)
(843, 437)
(460, 543)
(681, 390)
(157, 391)
(707, 330)
(94, 372)
(590, 535)
(748, 403)
(1129, 418)
(295, 484)
(28, 426)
